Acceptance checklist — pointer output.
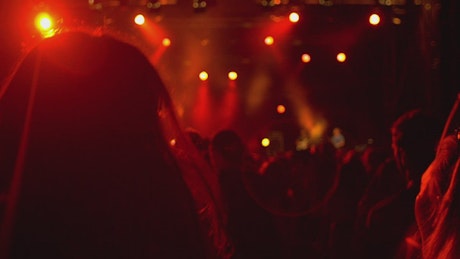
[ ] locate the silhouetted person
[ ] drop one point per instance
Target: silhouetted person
(437, 204)
(294, 188)
(249, 226)
(85, 132)
(342, 203)
(415, 135)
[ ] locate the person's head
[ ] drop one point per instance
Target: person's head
(373, 157)
(85, 130)
(414, 137)
(227, 150)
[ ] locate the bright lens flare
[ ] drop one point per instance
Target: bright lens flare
(232, 75)
(44, 23)
(294, 17)
(139, 19)
(374, 19)
(203, 75)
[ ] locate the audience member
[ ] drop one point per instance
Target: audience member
(437, 203)
(436, 207)
(249, 226)
(85, 138)
(373, 157)
(294, 188)
(391, 221)
(342, 202)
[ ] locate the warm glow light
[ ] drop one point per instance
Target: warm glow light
(166, 42)
(294, 17)
(396, 20)
(269, 40)
(374, 19)
(306, 58)
(265, 142)
(203, 76)
(172, 142)
(341, 57)
(139, 19)
(232, 75)
(281, 109)
(44, 23)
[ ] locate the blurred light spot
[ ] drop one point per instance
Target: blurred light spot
(203, 76)
(269, 40)
(294, 17)
(172, 142)
(166, 42)
(396, 20)
(139, 19)
(306, 58)
(44, 24)
(232, 75)
(199, 5)
(341, 57)
(265, 142)
(281, 109)
(374, 19)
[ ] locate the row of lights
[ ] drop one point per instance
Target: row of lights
(47, 27)
(232, 75)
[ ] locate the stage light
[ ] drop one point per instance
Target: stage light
(199, 5)
(270, 3)
(153, 5)
(203, 76)
(265, 142)
(306, 58)
(45, 25)
(374, 19)
(341, 57)
(269, 40)
(294, 17)
(280, 109)
(139, 19)
(232, 75)
(100, 4)
(166, 42)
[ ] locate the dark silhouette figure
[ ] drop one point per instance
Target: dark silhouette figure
(390, 223)
(85, 132)
(437, 203)
(342, 202)
(250, 227)
(294, 188)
